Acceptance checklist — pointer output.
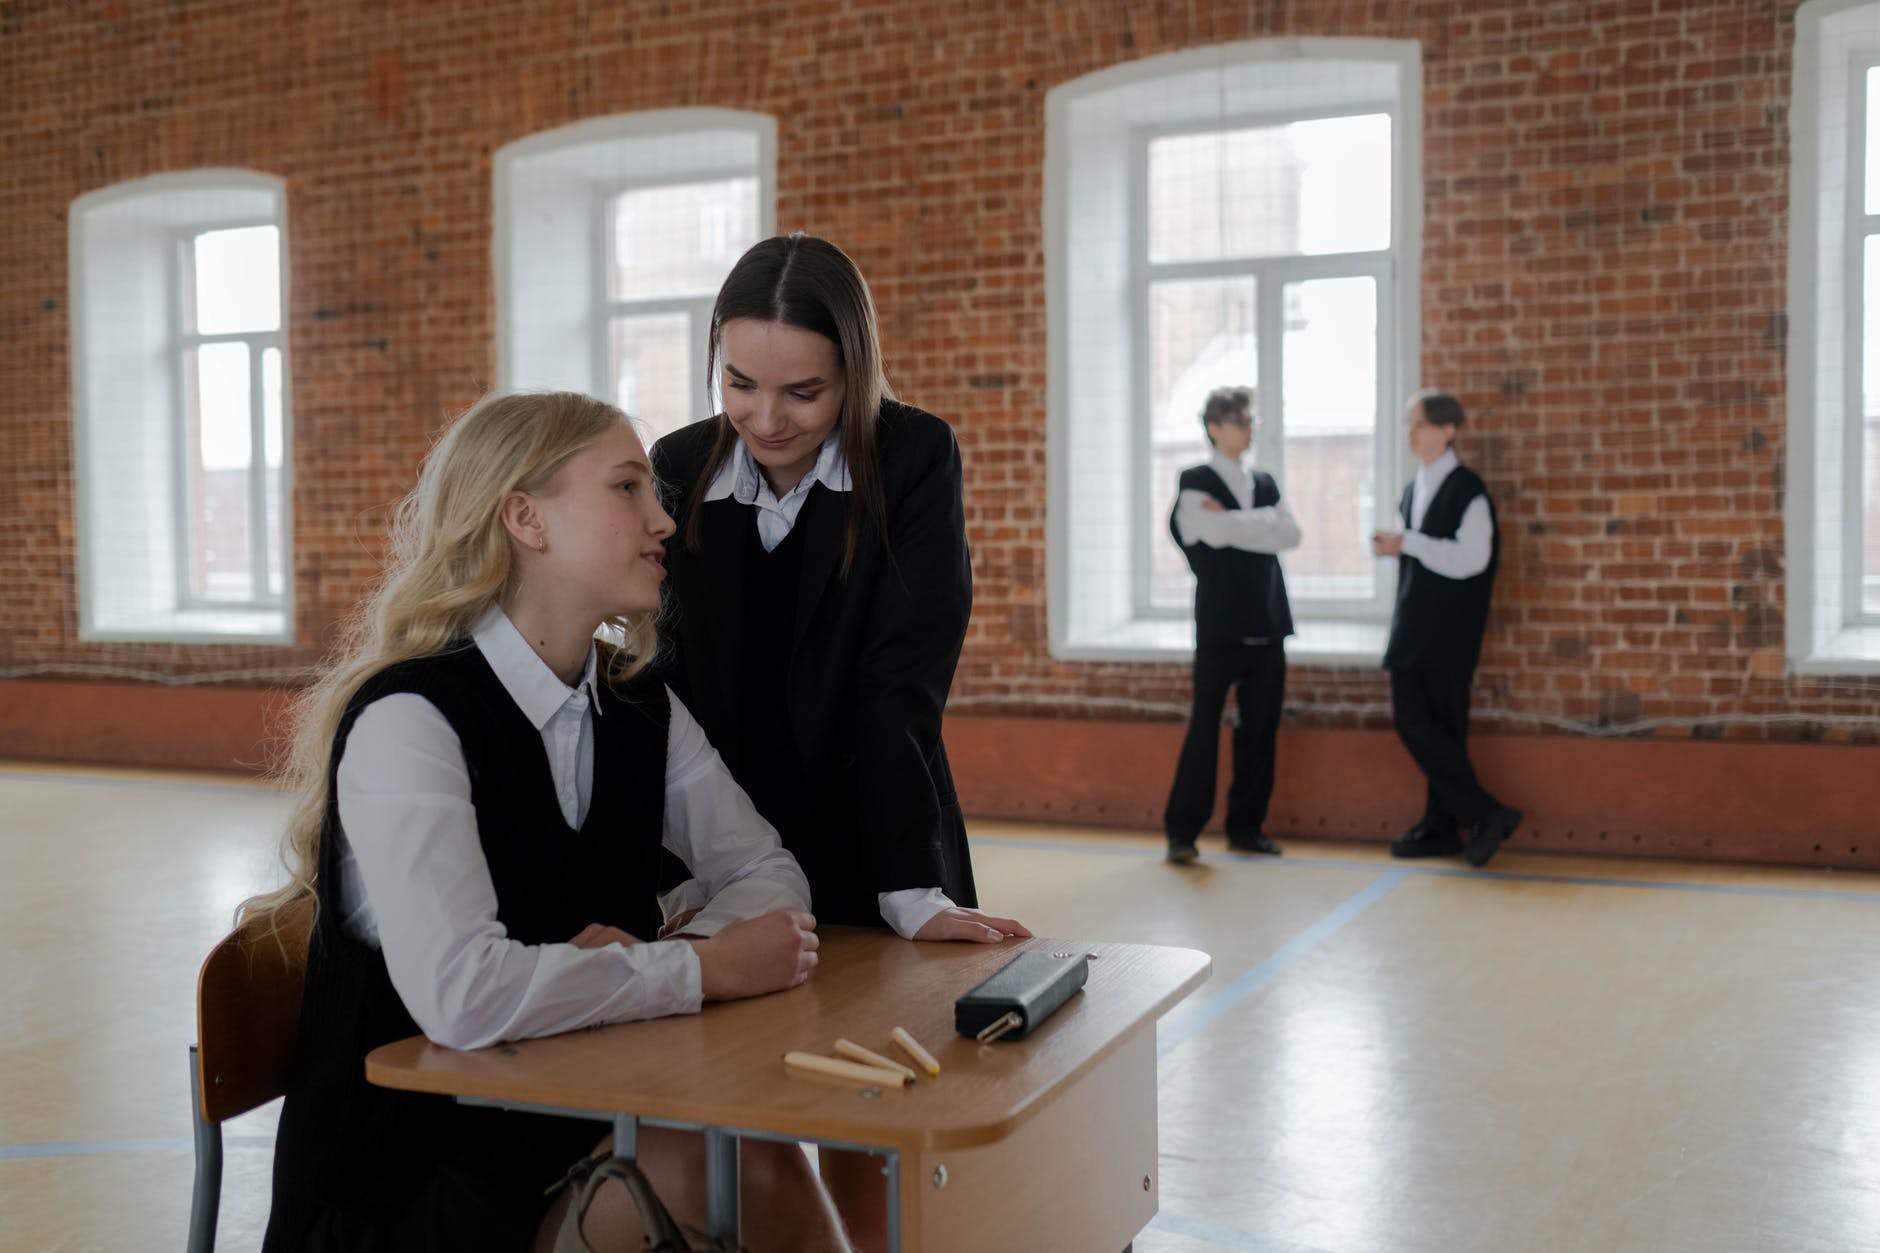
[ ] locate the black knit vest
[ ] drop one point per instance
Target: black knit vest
(768, 763)
(1238, 595)
(345, 1142)
(1438, 622)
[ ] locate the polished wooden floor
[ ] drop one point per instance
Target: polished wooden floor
(1558, 1054)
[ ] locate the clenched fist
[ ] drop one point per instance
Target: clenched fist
(757, 955)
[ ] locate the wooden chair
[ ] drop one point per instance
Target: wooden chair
(247, 1014)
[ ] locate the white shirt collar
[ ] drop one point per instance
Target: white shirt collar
(1437, 470)
(1224, 465)
(740, 478)
(536, 689)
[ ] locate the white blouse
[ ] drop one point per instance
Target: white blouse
(413, 880)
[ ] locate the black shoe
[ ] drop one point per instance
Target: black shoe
(1491, 833)
(1181, 852)
(1254, 843)
(1422, 841)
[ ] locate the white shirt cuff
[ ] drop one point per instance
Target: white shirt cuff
(909, 909)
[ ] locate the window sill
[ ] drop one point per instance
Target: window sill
(1323, 642)
(194, 626)
(1855, 650)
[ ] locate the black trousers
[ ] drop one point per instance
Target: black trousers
(1259, 672)
(1430, 709)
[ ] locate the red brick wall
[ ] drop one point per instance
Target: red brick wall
(1605, 203)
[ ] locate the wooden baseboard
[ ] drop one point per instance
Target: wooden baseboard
(1792, 804)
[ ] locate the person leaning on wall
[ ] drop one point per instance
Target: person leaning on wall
(1447, 554)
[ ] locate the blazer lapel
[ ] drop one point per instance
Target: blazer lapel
(822, 521)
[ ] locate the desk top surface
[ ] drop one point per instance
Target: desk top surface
(724, 1066)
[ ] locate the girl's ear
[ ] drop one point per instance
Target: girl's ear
(523, 521)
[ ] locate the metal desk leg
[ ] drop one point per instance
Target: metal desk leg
(626, 1136)
(721, 1183)
(892, 1169)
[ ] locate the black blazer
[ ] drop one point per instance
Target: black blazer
(871, 657)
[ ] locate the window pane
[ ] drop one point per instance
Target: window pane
(650, 361)
(217, 501)
(1201, 336)
(1330, 425)
(680, 239)
(1301, 188)
(272, 479)
(1870, 430)
(237, 281)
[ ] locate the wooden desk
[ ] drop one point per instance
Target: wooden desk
(1044, 1143)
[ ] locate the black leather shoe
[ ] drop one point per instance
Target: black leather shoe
(1182, 852)
(1257, 842)
(1491, 833)
(1422, 841)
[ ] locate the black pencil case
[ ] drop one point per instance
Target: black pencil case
(1031, 985)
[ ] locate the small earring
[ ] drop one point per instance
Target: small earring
(541, 543)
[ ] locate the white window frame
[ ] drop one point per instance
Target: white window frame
(1098, 593)
(550, 297)
(1836, 42)
(258, 342)
(1271, 276)
(698, 309)
(128, 246)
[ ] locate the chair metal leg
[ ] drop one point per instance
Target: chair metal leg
(721, 1184)
(207, 1199)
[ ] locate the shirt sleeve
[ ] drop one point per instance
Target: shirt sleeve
(701, 796)
(1467, 554)
(740, 868)
(405, 811)
(909, 909)
(1271, 529)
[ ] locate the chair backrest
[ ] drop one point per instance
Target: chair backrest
(248, 1012)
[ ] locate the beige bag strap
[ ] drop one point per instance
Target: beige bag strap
(663, 1235)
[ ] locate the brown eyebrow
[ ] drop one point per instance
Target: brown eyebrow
(799, 385)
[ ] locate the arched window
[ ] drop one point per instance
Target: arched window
(612, 237)
(180, 406)
(1245, 214)
(1833, 482)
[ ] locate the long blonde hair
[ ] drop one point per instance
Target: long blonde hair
(452, 558)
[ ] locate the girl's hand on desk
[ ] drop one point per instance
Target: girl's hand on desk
(595, 935)
(969, 924)
(757, 955)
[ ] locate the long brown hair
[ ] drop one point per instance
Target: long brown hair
(452, 559)
(809, 283)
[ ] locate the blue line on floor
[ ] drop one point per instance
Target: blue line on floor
(1723, 889)
(1441, 872)
(1221, 1236)
(1191, 1018)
